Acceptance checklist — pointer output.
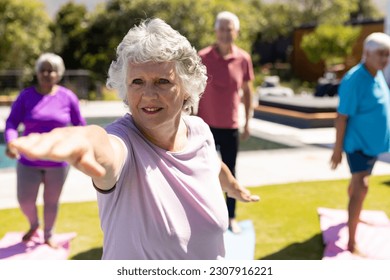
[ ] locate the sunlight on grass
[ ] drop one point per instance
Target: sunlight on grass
(285, 220)
(81, 218)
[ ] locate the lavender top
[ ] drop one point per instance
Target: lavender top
(41, 113)
(165, 205)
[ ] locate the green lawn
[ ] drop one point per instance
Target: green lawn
(285, 220)
(81, 218)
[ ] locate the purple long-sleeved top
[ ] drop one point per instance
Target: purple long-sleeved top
(41, 113)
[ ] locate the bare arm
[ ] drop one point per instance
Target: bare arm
(233, 189)
(340, 125)
(90, 149)
(247, 100)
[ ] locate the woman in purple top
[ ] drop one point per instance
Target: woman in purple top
(40, 109)
(160, 182)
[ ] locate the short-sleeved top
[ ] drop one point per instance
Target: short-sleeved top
(165, 205)
(41, 113)
(219, 104)
(365, 100)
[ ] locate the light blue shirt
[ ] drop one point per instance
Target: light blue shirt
(365, 100)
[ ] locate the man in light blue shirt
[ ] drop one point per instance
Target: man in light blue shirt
(363, 124)
(365, 100)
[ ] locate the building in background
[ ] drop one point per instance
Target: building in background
(303, 69)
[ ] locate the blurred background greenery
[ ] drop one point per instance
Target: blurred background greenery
(86, 38)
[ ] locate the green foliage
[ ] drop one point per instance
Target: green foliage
(24, 33)
(88, 40)
(325, 11)
(366, 9)
(279, 19)
(330, 43)
(70, 25)
(193, 18)
(280, 23)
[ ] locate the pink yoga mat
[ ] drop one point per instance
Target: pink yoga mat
(12, 248)
(372, 238)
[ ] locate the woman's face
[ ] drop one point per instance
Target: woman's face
(155, 96)
(47, 76)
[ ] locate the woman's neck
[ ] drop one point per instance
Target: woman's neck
(174, 141)
(46, 90)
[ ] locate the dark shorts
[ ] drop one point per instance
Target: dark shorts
(359, 162)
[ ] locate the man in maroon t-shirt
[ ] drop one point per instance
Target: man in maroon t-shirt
(229, 70)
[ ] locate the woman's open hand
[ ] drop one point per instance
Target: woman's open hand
(71, 144)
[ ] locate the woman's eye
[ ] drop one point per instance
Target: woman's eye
(163, 81)
(137, 81)
(46, 70)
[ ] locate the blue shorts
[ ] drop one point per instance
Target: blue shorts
(359, 162)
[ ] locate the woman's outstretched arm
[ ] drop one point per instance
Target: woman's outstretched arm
(89, 149)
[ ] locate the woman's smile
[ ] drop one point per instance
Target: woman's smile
(151, 110)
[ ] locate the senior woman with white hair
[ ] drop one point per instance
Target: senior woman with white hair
(363, 123)
(40, 109)
(156, 170)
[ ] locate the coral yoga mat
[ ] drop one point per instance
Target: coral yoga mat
(12, 247)
(372, 237)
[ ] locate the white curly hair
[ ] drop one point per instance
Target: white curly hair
(154, 40)
(55, 61)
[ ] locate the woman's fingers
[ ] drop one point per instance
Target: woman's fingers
(243, 194)
(25, 145)
(250, 198)
(59, 145)
(254, 198)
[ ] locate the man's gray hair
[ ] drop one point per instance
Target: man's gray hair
(156, 41)
(225, 15)
(376, 41)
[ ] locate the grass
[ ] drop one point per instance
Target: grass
(256, 144)
(285, 220)
(81, 218)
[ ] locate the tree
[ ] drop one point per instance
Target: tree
(193, 18)
(70, 25)
(330, 43)
(325, 11)
(281, 18)
(366, 10)
(24, 33)
(278, 24)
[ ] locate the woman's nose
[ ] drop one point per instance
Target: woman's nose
(150, 90)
